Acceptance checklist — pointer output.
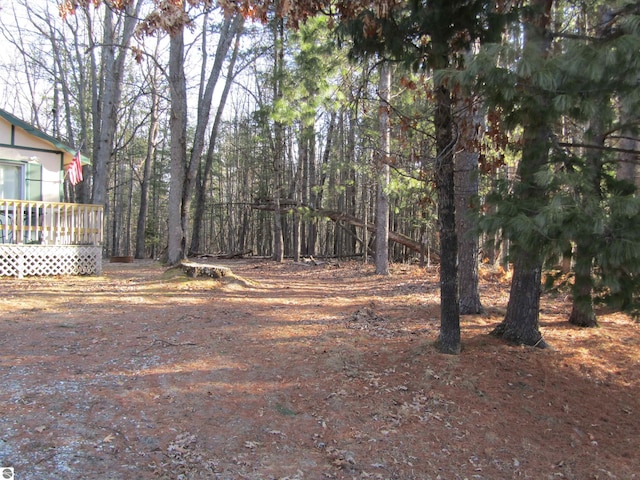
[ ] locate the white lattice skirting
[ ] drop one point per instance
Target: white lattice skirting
(25, 260)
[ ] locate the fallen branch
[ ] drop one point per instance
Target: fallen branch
(310, 261)
(164, 343)
(240, 254)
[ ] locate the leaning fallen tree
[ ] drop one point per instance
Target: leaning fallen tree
(338, 217)
(371, 227)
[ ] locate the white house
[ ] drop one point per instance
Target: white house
(39, 233)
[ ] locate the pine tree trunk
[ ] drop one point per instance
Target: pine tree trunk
(382, 198)
(449, 339)
(627, 165)
(468, 244)
(521, 322)
(582, 313)
(466, 186)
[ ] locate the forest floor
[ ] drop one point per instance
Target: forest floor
(303, 372)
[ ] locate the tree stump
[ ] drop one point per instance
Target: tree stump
(195, 270)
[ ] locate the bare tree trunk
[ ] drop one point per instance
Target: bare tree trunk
(312, 226)
(115, 212)
(66, 80)
(232, 26)
(97, 85)
(278, 239)
(382, 198)
(152, 139)
(297, 195)
(129, 215)
(82, 87)
(112, 73)
(201, 183)
(318, 190)
(178, 127)
(305, 184)
(278, 150)
(352, 185)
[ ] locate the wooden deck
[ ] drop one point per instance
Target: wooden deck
(50, 223)
(50, 238)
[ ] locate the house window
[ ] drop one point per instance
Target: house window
(20, 181)
(11, 180)
(33, 181)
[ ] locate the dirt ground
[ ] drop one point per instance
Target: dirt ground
(303, 372)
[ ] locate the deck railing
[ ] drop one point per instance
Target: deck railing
(50, 223)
